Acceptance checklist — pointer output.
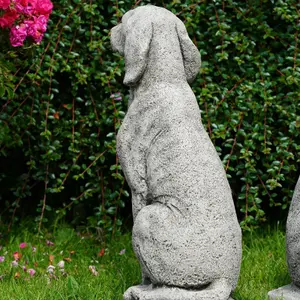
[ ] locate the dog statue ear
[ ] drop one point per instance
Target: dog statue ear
(137, 45)
(117, 39)
(190, 53)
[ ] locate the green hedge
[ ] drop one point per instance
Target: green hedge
(57, 151)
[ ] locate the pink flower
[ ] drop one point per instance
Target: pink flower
(49, 243)
(23, 245)
(44, 7)
(117, 96)
(17, 36)
(36, 28)
(17, 255)
(19, 8)
(31, 272)
(4, 4)
(41, 23)
(8, 19)
(21, 2)
(2, 259)
(26, 7)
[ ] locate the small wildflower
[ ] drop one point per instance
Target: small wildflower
(23, 245)
(101, 252)
(1, 276)
(17, 275)
(14, 263)
(122, 251)
(68, 259)
(49, 243)
(61, 252)
(50, 269)
(31, 272)
(93, 270)
(2, 259)
(33, 249)
(116, 96)
(17, 255)
(51, 258)
(24, 268)
(61, 264)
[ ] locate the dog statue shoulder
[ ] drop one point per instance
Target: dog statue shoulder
(186, 234)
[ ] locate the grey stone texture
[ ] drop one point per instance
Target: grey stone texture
(186, 235)
(288, 292)
(293, 237)
(292, 291)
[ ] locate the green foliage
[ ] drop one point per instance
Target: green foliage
(58, 132)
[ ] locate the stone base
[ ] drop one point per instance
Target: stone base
(287, 292)
(147, 292)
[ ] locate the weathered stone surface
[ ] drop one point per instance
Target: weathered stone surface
(293, 237)
(186, 234)
(147, 292)
(288, 292)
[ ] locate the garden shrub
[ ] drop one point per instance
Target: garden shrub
(57, 152)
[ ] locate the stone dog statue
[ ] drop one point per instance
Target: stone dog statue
(293, 237)
(292, 291)
(185, 234)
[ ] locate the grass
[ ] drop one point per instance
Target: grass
(263, 267)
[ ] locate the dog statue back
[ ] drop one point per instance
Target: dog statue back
(185, 234)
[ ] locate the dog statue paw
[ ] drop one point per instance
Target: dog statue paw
(186, 235)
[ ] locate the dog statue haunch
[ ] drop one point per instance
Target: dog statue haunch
(186, 234)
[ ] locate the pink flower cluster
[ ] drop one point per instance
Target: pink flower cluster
(25, 18)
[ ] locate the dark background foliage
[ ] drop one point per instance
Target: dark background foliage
(57, 133)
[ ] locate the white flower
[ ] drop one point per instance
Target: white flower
(93, 270)
(61, 264)
(50, 269)
(14, 263)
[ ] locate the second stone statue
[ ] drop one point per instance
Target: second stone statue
(186, 235)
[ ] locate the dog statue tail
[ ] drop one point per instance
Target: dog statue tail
(218, 290)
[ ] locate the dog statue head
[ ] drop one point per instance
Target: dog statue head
(132, 39)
